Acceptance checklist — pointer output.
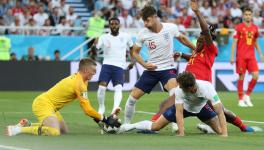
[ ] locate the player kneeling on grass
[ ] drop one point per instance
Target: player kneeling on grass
(47, 105)
(190, 100)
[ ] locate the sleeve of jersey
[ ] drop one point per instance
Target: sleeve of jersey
(212, 48)
(88, 109)
(175, 31)
(236, 33)
(100, 42)
(257, 33)
(178, 96)
(212, 95)
(139, 41)
(130, 41)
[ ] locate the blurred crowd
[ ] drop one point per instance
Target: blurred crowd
(56, 13)
(37, 13)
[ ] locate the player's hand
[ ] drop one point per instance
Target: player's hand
(150, 66)
(231, 61)
(177, 55)
(111, 121)
(130, 66)
(194, 5)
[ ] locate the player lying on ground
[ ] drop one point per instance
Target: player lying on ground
(190, 100)
(47, 105)
(200, 64)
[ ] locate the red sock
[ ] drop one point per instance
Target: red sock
(238, 122)
(240, 89)
(251, 86)
(155, 117)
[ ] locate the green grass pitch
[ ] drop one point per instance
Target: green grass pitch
(84, 133)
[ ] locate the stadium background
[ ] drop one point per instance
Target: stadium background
(20, 22)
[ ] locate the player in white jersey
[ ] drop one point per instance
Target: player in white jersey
(114, 46)
(191, 98)
(158, 37)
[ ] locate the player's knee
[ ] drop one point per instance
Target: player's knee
(255, 75)
(155, 127)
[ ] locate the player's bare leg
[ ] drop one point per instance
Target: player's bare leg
(240, 82)
(145, 125)
(214, 124)
(251, 85)
(101, 96)
(136, 93)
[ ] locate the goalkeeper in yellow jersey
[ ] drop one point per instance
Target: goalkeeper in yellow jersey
(47, 105)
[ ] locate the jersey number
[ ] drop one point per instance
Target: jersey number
(152, 45)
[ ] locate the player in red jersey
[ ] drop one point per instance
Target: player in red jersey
(245, 42)
(200, 64)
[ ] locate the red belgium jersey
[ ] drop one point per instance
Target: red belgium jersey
(200, 63)
(246, 37)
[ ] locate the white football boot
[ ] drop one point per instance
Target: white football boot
(205, 128)
(241, 103)
(174, 127)
(247, 100)
(13, 130)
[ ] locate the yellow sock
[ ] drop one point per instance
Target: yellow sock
(40, 130)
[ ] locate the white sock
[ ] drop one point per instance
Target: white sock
(130, 109)
(172, 91)
(117, 96)
(101, 98)
(142, 125)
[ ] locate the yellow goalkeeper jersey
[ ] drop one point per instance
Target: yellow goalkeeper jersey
(69, 89)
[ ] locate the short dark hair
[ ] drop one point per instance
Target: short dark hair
(247, 9)
(186, 80)
(56, 51)
(113, 18)
(86, 62)
(148, 11)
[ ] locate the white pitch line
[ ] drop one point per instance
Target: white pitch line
(258, 122)
(12, 147)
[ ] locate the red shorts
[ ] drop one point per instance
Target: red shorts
(242, 65)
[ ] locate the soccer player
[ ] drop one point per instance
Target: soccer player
(114, 45)
(200, 64)
(47, 105)
(245, 42)
(158, 37)
(191, 98)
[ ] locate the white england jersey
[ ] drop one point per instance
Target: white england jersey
(160, 45)
(195, 102)
(114, 48)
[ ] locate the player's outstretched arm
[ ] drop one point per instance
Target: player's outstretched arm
(185, 41)
(232, 55)
(88, 109)
(222, 120)
(259, 50)
(203, 24)
(179, 119)
(135, 52)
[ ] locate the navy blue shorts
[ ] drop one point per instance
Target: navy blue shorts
(205, 114)
(149, 79)
(114, 73)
